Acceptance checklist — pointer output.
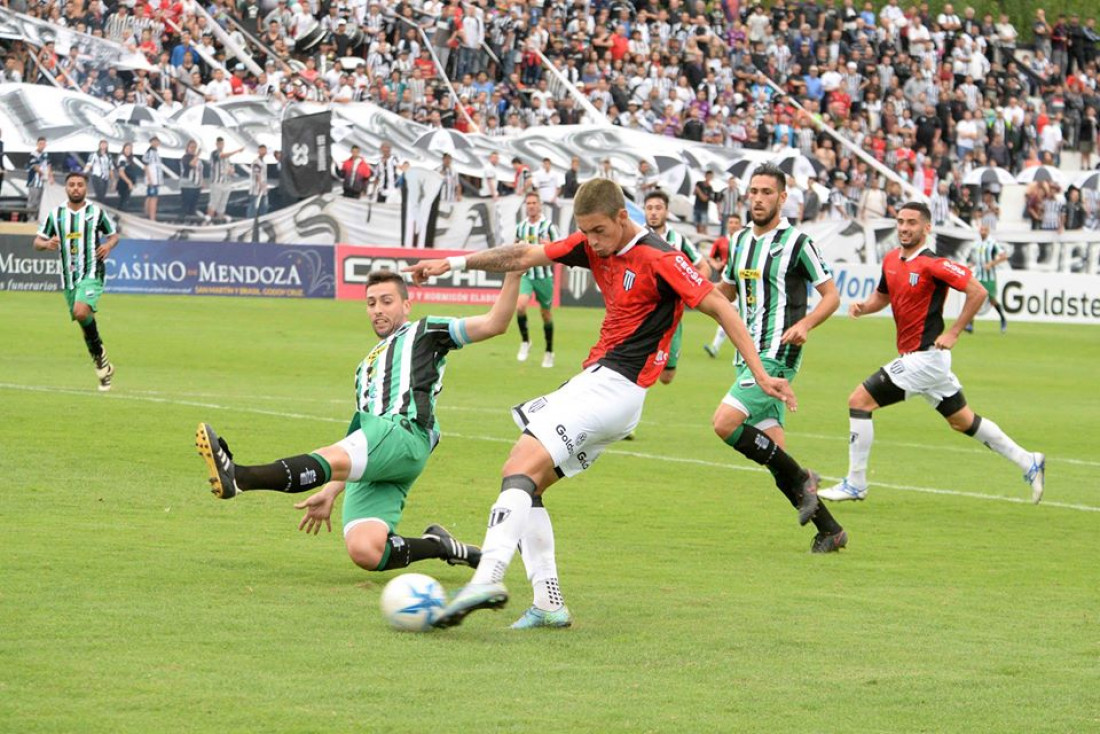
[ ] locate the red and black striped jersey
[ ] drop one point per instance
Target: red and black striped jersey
(644, 286)
(918, 288)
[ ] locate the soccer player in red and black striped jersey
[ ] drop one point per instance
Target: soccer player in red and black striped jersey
(645, 284)
(914, 284)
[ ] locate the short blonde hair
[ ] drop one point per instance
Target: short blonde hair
(599, 196)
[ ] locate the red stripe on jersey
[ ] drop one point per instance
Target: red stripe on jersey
(644, 289)
(918, 288)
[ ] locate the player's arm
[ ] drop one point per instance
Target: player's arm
(830, 301)
(975, 296)
(717, 305)
(47, 236)
(874, 304)
(496, 260)
(496, 321)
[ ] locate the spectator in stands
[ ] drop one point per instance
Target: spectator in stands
(572, 183)
(700, 209)
(39, 173)
(191, 178)
(154, 178)
(354, 174)
(452, 187)
(99, 170)
(257, 184)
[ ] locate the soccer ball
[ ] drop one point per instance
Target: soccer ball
(412, 601)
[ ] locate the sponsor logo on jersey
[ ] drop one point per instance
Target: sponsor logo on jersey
(689, 272)
(628, 282)
(954, 268)
(748, 274)
(569, 446)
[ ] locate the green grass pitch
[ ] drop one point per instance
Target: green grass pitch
(131, 601)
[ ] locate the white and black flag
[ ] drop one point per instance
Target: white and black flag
(307, 160)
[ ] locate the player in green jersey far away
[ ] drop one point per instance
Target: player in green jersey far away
(392, 433)
(770, 267)
(985, 256)
(655, 208)
(83, 236)
(536, 229)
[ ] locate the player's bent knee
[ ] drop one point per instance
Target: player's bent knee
(726, 421)
(366, 550)
(81, 311)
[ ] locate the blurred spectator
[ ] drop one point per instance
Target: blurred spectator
(257, 184)
(572, 182)
(700, 209)
(125, 171)
(191, 177)
(99, 170)
(154, 178)
(354, 174)
(39, 173)
(452, 188)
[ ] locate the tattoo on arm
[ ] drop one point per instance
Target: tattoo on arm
(499, 259)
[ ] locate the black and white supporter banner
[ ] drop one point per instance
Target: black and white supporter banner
(307, 161)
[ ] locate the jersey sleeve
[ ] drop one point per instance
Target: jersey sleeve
(812, 264)
(950, 272)
(674, 269)
(552, 233)
(48, 227)
(570, 251)
(105, 226)
(883, 287)
(692, 252)
(446, 333)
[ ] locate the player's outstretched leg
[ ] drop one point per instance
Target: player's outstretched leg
(1033, 464)
(104, 370)
(797, 484)
(536, 548)
(291, 475)
(716, 343)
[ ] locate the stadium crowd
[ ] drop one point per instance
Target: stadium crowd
(931, 96)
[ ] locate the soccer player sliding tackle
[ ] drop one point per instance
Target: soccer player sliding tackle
(392, 434)
(914, 284)
(645, 284)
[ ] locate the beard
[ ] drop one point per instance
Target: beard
(766, 217)
(77, 198)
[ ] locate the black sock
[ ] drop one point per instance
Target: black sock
(792, 493)
(403, 551)
(824, 521)
(1001, 313)
(758, 447)
(91, 338)
(548, 332)
(521, 319)
(292, 475)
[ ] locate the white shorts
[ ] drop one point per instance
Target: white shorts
(927, 374)
(576, 422)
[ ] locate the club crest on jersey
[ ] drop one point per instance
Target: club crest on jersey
(628, 279)
(913, 278)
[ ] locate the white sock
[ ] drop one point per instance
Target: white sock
(719, 337)
(537, 550)
(507, 522)
(859, 449)
(992, 436)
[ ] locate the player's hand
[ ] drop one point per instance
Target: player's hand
(425, 269)
(856, 309)
(796, 335)
(779, 388)
(102, 252)
(318, 509)
(946, 340)
(53, 243)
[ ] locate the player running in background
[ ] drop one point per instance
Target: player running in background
(645, 285)
(770, 269)
(392, 434)
(655, 208)
(83, 236)
(719, 256)
(914, 284)
(536, 230)
(986, 255)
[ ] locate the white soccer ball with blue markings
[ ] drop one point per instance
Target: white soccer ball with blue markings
(412, 601)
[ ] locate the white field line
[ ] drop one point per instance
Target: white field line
(494, 439)
(658, 424)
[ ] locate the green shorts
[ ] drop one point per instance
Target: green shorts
(747, 397)
(396, 452)
(674, 347)
(86, 291)
(543, 288)
(990, 287)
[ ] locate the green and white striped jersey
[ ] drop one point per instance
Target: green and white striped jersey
(982, 256)
(772, 275)
(403, 374)
(80, 232)
(681, 243)
(532, 234)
